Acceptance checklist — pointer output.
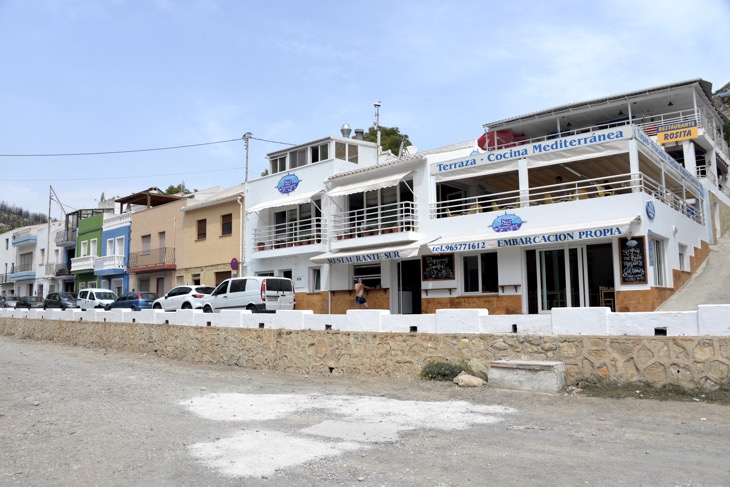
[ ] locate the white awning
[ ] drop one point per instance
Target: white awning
(369, 185)
(361, 256)
(574, 232)
(286, 201)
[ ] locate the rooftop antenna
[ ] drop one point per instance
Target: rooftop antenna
(376, 125)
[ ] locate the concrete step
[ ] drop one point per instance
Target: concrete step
(527, 375)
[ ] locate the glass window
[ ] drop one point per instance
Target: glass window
(370, 274)
(659, 262)
(315, 279)
(480, 273)
(227, 224)
(196, 279)
(238, 285)
(278, 164)
(320, 152)
(202, 228)
(146, 243)
(341, 151)
(297, 158)
(352, 153)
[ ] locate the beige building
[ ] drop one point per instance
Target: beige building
(212, 238)
(156, 247)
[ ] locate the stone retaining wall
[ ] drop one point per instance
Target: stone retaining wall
(687, 361)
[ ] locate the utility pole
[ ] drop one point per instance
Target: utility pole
(241, 257)
(376, 124)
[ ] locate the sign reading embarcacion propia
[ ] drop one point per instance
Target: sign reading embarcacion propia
(524, 240)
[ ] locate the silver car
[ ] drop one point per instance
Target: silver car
(183, 297)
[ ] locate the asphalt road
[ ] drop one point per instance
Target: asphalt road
(73, 416)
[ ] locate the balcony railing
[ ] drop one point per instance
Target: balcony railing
(85, 263)
(376, 220)
(296, 233)
(66, 238)
(153, 257)
(108, 262)
(5, 278)
(561, 193)
(117, 221)
(25, 236)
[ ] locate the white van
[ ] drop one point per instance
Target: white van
(95, 298)
(258, 294)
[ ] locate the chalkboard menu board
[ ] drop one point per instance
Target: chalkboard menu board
(632, 254)
(437, 267)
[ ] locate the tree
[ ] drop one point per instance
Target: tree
(390, 138)
(179, 189)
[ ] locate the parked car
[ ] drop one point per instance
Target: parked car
(95, 298)
(61, 300)
(10, 301)
(30, 302)
(258, 294)
(183, 297)
(133, 300)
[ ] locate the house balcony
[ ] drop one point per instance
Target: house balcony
(298, 236)
(109, 264)
(573, 192)
(117, 221)
(83, 264)
(26, 236)
(152, 260)
(5, 279)
(66, 238)
(392, 223)
(22, 272)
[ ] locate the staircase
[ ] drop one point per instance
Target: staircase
(709, 285)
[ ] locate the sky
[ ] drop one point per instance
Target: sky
(122, 76)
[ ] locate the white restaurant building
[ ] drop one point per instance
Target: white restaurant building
(487, 224)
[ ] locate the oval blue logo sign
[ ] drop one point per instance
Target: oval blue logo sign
(288, 183)
(508, 222)
(650, 210)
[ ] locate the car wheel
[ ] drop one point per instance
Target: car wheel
(157, 306)
(186, 306)
(252, 308)
(63, 308)
(207, 309)
(44, 307)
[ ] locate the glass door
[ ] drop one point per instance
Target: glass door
(561, 278)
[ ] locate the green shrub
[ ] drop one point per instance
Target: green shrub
(440, 371)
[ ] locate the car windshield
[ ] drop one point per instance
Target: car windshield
(106, 296)
(35, 299)
(68, 295)
(204, 289)
(148, 296)
(11, 298)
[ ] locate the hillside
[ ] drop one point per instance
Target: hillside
(722, 101)
(12, 217)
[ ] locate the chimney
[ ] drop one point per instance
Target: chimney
(345, 130)
(359, 133)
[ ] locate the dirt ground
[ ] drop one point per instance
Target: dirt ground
(74, 416)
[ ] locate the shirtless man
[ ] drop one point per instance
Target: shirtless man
(359, 293)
